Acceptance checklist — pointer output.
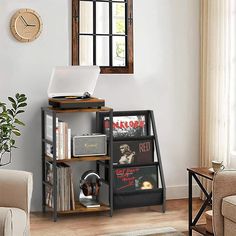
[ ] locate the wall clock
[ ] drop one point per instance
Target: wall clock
(26, 25)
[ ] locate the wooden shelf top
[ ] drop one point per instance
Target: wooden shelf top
(80, 208)
(202, 171)
(102, 109)
(84, 158)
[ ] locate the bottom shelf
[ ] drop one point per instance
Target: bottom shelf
(201, 229)
(139, 199)
(80, 208)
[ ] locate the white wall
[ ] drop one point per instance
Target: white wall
(166, 79)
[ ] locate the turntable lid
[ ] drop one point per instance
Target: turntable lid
(73, 81)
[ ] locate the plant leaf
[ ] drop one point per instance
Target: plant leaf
(22, 99)
(20, 111)
(10, 112)
(19, 122)
(16, 132)
(22, 105)
(11, 100)
(14, 105)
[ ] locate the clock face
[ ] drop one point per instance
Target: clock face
(26, 25)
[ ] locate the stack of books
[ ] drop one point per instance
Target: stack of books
(63, 138)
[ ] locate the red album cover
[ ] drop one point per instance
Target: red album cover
(133, 179)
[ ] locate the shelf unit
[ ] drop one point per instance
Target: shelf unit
(104, 160)
(140, 197)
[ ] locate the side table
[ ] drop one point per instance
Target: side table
(196, 173)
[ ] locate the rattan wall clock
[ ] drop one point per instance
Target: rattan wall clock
(26, 25)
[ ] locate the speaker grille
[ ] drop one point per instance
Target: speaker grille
(89, 145)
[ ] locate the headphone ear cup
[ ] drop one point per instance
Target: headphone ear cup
(97, 187)
(94, 189)
(86, 188)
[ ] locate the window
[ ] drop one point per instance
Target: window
(102, 34)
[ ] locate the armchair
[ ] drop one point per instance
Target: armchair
(15, 198)
(224, 203)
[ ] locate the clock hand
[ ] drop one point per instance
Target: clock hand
(24, 21)
(31, 25)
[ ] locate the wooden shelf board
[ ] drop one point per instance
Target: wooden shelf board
(84, 158)
(202, 229)
(202, 171)
(82, 209)
(80, 110)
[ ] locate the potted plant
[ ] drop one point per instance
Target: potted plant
(9, 125)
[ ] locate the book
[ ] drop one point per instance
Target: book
(49, 128)
(69, 143)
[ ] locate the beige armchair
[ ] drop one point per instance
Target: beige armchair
(224, 203)
(15, 198)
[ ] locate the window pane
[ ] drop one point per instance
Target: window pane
(102, 18)
(119, 10)
(118, 18)
(119, 51)
(86, 17)
(102, 50)
(86, 50)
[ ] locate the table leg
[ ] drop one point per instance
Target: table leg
(190, 203)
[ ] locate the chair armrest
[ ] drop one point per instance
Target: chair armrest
(224, 184)
(5, 221)
(16, 189)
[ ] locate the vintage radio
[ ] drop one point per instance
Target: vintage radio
(89, 145)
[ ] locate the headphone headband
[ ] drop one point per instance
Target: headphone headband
(90, 187)
(88, 173)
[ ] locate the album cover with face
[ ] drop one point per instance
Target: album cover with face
(133, 151)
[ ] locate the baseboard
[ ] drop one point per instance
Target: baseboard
(181, 191)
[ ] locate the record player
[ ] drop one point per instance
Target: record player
(72, 87)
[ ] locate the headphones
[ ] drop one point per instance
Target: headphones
(90, 188)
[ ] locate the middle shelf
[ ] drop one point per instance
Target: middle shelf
(76, 159)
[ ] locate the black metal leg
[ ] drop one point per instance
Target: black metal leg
(190, 203)
(203, 207)
(43, 159)
(111, 162)
(194, 220)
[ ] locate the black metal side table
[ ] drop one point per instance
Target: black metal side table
(196, 173)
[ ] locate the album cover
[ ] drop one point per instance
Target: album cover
(133, 151)
(133, 179)
(127, 126)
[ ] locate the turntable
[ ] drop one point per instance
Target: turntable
(76, 102)
(71, 87)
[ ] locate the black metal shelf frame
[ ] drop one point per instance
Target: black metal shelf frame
(109, 181)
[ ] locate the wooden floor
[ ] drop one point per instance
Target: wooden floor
(93, 224)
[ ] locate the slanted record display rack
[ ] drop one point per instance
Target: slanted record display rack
(138, 178)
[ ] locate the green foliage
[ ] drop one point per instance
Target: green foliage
(120, 26)
(9, 123)
(120, 49)
(120, 10)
